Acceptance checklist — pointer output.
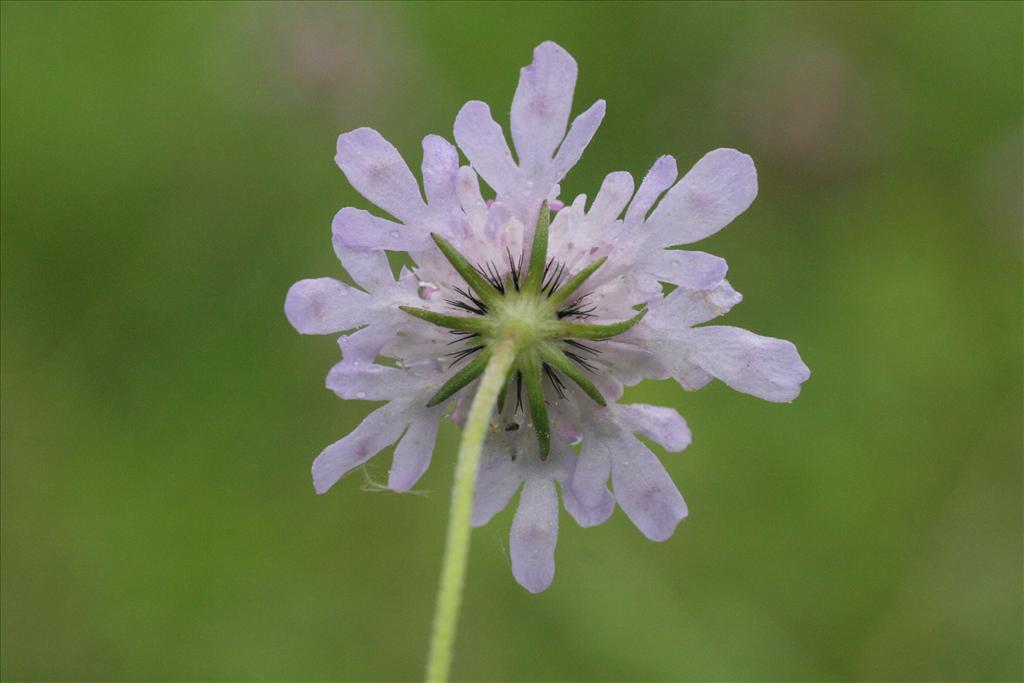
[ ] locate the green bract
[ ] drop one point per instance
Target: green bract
(530, 308)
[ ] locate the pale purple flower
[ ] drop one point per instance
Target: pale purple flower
(584, 337)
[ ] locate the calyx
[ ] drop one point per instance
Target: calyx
(535, 307)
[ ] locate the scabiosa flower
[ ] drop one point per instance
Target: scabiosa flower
(566, 311)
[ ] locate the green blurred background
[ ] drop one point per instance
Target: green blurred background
(167, 173)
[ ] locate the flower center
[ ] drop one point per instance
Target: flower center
(538, 310)
(526, 317)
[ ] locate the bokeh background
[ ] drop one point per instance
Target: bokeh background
(167, 173)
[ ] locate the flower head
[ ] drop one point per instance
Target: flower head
(581, 296)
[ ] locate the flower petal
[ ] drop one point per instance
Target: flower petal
(470, 199)
(663, 425)
(370, 269)
(606, 383)
(541, 106)
(661, 176)
(413, 453)
(717, 189)
(360, 230)
(324, 306)
(631, 364)
(612, 198)
(585, 515)
(616, 296)
(483, 143)
(364, 345)
(691, 377)
(691, 269)
(534, 535)
(761, 366)
(440, 169)
(367, 381)
(580, 134)
(590, 478)
(684, 307)
(380, 429)
(589, 516)
(375, 168)
(497, 481)
(645, 492)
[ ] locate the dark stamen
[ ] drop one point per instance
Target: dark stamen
(583, 347)
(519, 391)
(556, 381)
(462, 354)
(461, 305)
(552, 281)
(578, 309)
(460, 336)
(499, 281)
(515, 269)
(492, 276)
(581, 361)
(472, 303)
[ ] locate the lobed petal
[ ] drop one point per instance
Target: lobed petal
(380, 429)
(612, 198)
(367, 381)
(590, 477)
(364, 345)
(645, 492)
(602, 505)
(716, 190)
(580, 134)
(588, 516)
(440, 171)
(691, 269)
(661, 176)
(630, 363)
(541, 106)
(765, 367)
(534, 535)
(356, 229)
(615, 297)
(483, 143)
(413, 453)
(375, 168)
(497, 481)
(369, 269)
(691, 377)
(660, 424)
(608, 385)
(684, 307)
(468, 190)
(325, 305)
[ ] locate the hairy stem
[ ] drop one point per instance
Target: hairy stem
(456, 551)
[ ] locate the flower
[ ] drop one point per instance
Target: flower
(581, 297)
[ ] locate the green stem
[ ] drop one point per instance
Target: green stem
(456, 551)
